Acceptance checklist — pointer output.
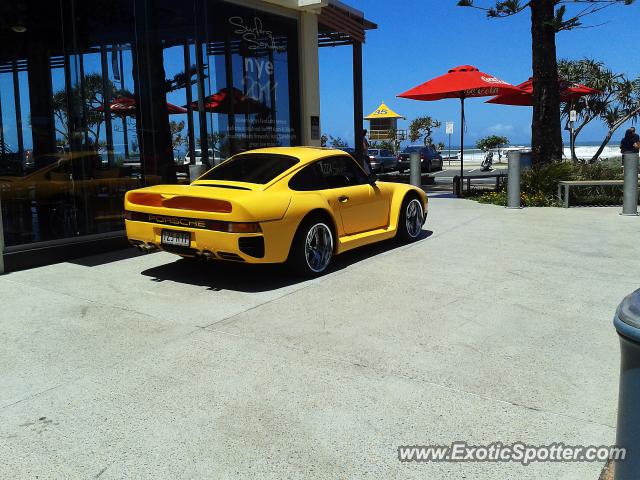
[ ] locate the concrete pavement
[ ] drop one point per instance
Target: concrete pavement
(127, 366)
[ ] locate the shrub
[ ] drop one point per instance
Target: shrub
(539, 185)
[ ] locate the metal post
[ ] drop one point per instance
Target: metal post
(415, 170)
(189, 95)
(462, 127)
(125, 132)
(358, 104)
(627, 323)
(106, 99)
(630, 203)
(513, 185)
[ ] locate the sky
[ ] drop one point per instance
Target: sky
(417, 40)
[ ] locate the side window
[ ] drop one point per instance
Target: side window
(341, 171)
(308, 179)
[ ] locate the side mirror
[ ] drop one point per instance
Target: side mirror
(372, 178)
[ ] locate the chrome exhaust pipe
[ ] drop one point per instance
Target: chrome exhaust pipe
(148, 248)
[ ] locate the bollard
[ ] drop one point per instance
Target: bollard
(630, 201)
(513, 182)
(627, 323)
(416, 169)
(196, 171)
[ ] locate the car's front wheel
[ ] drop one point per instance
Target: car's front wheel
(312, 248)
(411, 219)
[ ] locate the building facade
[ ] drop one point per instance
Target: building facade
(101, 96)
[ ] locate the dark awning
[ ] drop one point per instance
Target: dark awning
(339, 24)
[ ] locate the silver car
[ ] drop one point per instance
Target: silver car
(382, 160)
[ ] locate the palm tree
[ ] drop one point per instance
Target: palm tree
(618, 103)
(548, 17)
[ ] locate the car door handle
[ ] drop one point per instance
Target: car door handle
(343, 199)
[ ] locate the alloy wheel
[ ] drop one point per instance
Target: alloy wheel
(414, 218)
(318, 247)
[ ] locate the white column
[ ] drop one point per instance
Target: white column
(309, 76)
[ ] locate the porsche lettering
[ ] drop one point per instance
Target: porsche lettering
(181, 222)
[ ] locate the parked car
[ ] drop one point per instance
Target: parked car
(214, 157)
(430, 158)
(382, 160)
(297, 205)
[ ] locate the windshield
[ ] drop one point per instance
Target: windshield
(374, 152)
(257, 168)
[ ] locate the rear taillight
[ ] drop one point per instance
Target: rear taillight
(180, 202)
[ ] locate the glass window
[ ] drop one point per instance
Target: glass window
(251, 168)
(93, 105)
(310, 178)
(252, 97)
(374, 152)
(342, 171)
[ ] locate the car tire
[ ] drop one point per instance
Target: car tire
(410, 220)
(312, 247)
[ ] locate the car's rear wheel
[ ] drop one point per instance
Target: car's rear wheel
(312, 248)
(411, 219)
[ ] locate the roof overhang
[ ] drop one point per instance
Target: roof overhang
(300, 4)
(340, 24)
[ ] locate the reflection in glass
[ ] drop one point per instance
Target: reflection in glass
(101, 96)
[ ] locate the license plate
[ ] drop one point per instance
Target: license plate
(175, 238)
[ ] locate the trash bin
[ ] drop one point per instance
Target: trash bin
(627, 323)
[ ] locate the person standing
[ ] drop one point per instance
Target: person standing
(364, 161)
(631, 142)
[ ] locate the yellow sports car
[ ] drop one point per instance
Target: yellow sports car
(300, 205)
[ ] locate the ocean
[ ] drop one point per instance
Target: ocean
(584, 150)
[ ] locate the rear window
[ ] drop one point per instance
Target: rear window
(257, 168)
(374, 152)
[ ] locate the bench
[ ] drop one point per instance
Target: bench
(458, 189)
(566, 185)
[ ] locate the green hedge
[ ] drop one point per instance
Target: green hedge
(539, 185)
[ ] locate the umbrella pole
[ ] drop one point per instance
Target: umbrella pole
(461, 147)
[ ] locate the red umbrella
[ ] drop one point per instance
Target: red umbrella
(221, 102)
(568, 91)
(127, 106)
(461, 82)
